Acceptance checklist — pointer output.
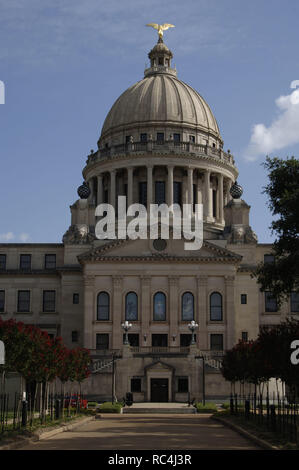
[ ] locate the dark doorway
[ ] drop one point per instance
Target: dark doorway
(159, 390)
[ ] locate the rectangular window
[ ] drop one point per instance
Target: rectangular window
(160, 340)
(244, 335)
(160, 192)
(185, 340)
(23, 301)
(295, 302)
(177, 193)
(2, 300)
(143, 137)
(177, 137)
(243, 299)
(269, 259)
(135, 385)
(75, 336)
(183, 385)
(50, 261)
(133, 339)
(25, 262)
(270, 302)
(2, 262)
(128, 139)
(216, 342)
(143, 193)
(49, 300)
(192, 138)
(160, 137)
(76, 298)
(102, 341)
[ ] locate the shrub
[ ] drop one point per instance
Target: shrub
(207, 408)
(109, 407)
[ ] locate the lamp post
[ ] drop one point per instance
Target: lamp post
(126, 326)
(192, 327)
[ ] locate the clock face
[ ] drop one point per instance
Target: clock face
(159, 244)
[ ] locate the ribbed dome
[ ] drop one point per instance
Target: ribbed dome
(160, 98)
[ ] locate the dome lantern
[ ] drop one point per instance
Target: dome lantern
(160, 58)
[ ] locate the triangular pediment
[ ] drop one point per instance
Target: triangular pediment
(144, 250)
(159, 366)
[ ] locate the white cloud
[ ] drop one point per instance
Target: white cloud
(282, 132)
(6, 237)
(24, 237)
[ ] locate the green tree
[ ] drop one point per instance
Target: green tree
(281, 277)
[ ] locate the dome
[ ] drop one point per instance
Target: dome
(160, 99)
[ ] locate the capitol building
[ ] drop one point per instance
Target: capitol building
(160, 143)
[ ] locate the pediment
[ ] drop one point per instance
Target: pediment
(159, 366)
(143, 250)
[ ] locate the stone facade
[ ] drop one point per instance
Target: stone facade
(161, 145)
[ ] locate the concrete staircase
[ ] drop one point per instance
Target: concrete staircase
(159, 408)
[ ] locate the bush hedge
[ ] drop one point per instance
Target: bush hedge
(109, 407)
(207, 408)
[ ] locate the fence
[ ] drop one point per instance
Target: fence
(18, 413)
(269, 412)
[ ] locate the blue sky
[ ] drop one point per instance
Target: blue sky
(64, 63)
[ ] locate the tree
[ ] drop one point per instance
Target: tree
(281, 277)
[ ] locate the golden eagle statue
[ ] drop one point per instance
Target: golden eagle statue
(160, 27)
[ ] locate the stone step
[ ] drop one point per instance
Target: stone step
(168, 410)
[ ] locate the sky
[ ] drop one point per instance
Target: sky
(64, 63)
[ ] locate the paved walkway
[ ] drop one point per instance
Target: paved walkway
(147, 432)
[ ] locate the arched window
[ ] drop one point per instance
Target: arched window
(187, 306)
(159, 306)
(131, 306)
(216, 306)
(103, 306)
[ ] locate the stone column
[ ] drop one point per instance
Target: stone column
(229, 312)
(174, 312)
(149, 187)
(130, 186)
(100, 188)
(170, 185)
(202, 312)
(220, 198)
(199, 190)
(208, 211)
(89, 316)
(145, 314)
(91, 187)
(116, 312)
(190, 185)
(112, 187)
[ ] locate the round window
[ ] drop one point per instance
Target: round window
(159, 244)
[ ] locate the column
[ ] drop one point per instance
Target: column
(170, 185)
(208, 211)
(112, 187)
(91, 187)
(130, 186)
(116, 312)
(190, 185)
(220, 198)
(145, 314)
(149, 187)
(100, 188)
(202, 284)
(229, 312)
(89, 341)
(174, 314)
(199, 190)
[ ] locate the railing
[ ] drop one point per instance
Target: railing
(160, 350)
(161, 146)
(269, 412)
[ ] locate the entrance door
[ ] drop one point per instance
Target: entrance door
(159, 390)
